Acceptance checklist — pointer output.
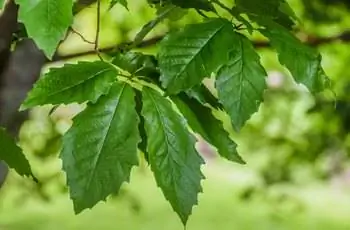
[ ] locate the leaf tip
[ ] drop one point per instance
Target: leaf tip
(23, 107)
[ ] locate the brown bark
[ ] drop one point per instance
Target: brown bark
(18, 71)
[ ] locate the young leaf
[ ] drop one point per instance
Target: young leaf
(13, 155)
(122, 2)
(241, 83)
(46, 21)
(202, 121)
(303, 62)
(172, 154)
(100, 148)
(188, 56)
(84, 81)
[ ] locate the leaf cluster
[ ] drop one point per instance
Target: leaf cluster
(155, 104)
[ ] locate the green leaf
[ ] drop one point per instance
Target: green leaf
(161, 15)
(172, 154)
(303, 62)
(202, 94)
(122, 2)
(276, 10)
(84, 81)
(134, 62)
(188, 56)
(287, 10)
(196, 4)
(100, 148)
(241, 83)
(202, 121)
(46, 21)
(13, 155)
(2, 3)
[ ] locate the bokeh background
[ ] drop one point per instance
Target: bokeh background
(296, 147)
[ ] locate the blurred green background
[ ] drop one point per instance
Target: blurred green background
(296, 146)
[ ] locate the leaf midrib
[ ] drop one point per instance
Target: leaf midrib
(78, 83)
(98, 158)
(167, 142)
(183, 69)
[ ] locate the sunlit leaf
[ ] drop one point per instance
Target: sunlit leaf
(46, 21)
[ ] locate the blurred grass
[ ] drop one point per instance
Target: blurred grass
(220, 208)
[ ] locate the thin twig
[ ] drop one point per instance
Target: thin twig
(201, 13)
(98, 23)
(308, 40)
(239, 26)
(81, 36)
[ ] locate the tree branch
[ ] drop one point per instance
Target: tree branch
(308, 39)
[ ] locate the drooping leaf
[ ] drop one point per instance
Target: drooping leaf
(196, 4)
(100, 148)
(84, 81)
(188, 56)
(241, 82)
(202, 121)
(115, 2)
(46, 21)
(302, 61)
(13, 155)
(172, 154)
